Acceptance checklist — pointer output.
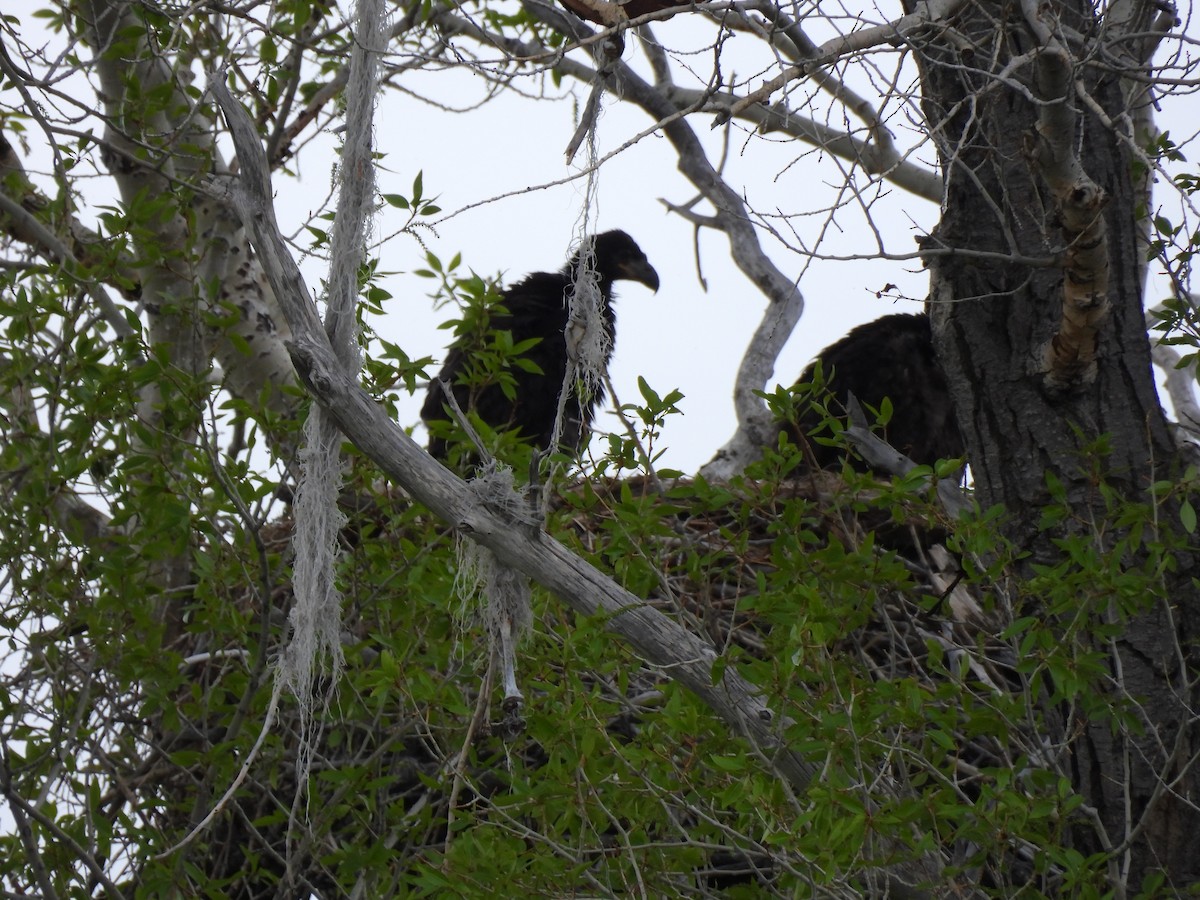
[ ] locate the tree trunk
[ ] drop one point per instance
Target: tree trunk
(997, 279)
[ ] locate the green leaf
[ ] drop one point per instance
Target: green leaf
(1187, 516)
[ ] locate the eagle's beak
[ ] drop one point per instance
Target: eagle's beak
(641, 271)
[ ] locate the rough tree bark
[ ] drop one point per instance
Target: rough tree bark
(994, 317)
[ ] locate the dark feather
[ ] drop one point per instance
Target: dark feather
(537, 307)
(891, 357)
(607, 14)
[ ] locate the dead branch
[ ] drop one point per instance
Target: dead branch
(776, 118)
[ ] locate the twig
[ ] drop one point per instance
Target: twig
(23, 806)
(833, 50)
(268, 721)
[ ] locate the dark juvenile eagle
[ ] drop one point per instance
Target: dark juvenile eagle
(612, 12)
(537, 307)
(891, 357)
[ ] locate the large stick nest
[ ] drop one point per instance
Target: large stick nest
(707, 558)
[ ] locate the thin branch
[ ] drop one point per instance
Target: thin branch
(776, 118)
(803, 50)
(21, 805)
(18, 219)
(243, 772)
(779, 118)
(929, 15)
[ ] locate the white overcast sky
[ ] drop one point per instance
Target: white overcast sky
(684, 337)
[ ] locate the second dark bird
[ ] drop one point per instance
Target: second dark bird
(891, 357)
(537, 308)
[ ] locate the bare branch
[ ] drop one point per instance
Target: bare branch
(893, 33)
(779, 118)
(881, 152)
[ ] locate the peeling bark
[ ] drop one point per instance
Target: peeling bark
(1079, 205)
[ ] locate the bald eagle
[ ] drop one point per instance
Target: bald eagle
(891, 357)
(536, 308)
